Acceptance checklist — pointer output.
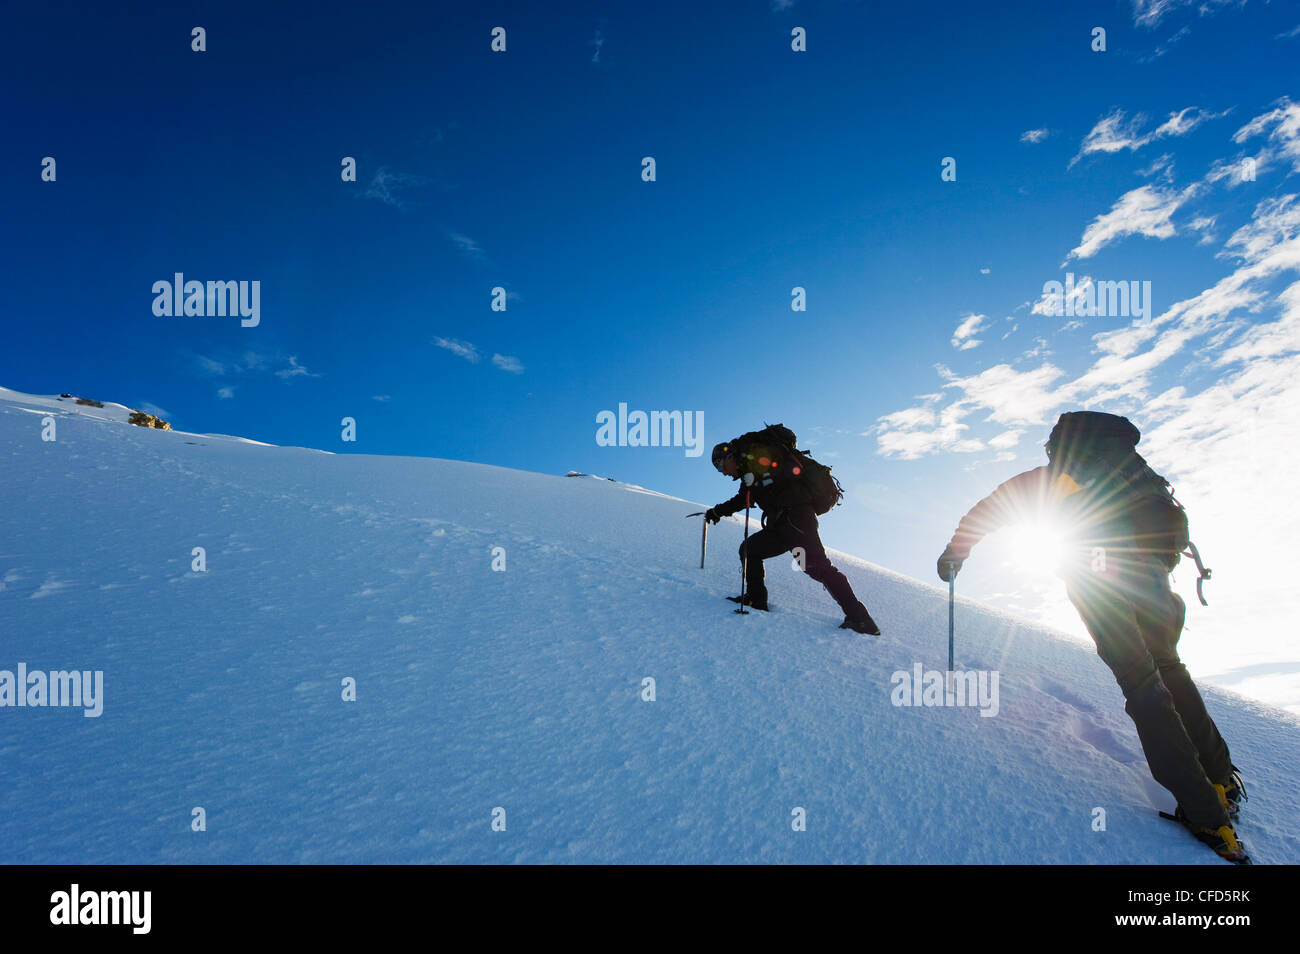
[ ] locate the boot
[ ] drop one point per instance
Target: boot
(1222, 839)
(861, 624)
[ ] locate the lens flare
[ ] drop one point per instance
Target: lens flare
(1036, 547)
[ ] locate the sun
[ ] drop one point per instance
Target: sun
(1036, 547)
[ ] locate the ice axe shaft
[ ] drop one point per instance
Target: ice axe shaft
(744, 562)
(952, 599)
(704, 535)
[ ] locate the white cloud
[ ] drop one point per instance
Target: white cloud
(155, 410)
(470, 353)
(918, 431)
(385, 186)
(1294, 31)
(381, 398)
(1162, 166)
(1271, 230)
(295, 370)
(1113, 133)
(1149, 13)
(985, 271)
(964, 337)
(1273, 339)
(1068, 302)
(1164, 47)
(466, 244)
(1147, 210)
(1033, 135)
(1283, 136)
(1204, 224)
(210, 366)
(462, 348)
(249, 362)
(1006, 440)
(1120, 376)
(597, 41)
(1180, 123)
(1012, 397)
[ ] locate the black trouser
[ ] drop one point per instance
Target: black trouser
(1135, 620)
(796, 527)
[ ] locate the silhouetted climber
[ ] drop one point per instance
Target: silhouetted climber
(1125, 533)
(792, 489)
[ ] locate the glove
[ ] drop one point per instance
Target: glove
(712, 515)
(949, 565)
(748, 479)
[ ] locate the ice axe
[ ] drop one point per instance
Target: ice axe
(704, 535)
(952, 600)
(744, 561)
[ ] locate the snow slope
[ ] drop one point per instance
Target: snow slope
(520, 689)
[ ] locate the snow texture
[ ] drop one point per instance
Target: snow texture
(522, 689)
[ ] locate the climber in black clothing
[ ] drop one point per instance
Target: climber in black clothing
(791, 489)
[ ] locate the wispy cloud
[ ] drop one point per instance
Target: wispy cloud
(155, 410)
(1033, 135)
(598, 41)
(470, 353)
(466, 245)
(919, 431)
(780, 5)
(1164, 47)
(249, 363)
(507, 363)
(381, 398)
(210, 365)
(1256, 357)
(1114, 132)
(1006, 440)
(295, 370)
(387, 186)
(1294, 31)
(461, 348)
(1149, 13)
(1147, 210)
(963, 338)
(1067, 303)
(1282, 144)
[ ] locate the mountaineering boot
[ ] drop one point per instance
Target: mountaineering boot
(861, 624)
(747, 600)
(1222, 839)
(1232, 793)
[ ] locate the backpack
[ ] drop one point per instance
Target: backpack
(823, 490)
(1105, 445)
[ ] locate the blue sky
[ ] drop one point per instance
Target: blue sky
(920, 369)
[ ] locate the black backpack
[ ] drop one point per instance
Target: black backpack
(824, 491)
(1090, 443)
